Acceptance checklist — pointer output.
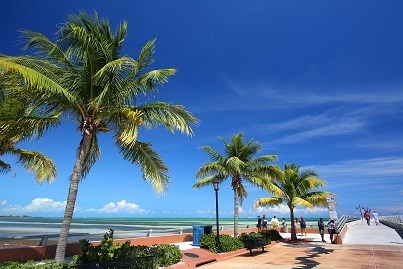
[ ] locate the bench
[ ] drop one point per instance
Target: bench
(255, 243)
(143, 262)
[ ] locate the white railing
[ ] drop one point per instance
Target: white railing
(343, 220)
(394, 218)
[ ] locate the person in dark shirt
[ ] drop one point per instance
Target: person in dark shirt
(259, 224)
(321, 227)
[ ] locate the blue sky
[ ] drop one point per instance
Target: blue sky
(316, 82)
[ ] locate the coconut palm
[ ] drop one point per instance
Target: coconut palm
(82, 77)
(238, 164)
(295, 189)
(41, 165)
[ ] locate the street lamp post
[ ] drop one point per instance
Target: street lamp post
(216, 188)
(359, 207)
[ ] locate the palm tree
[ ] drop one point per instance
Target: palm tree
(238, 164)
(82, 77)
(41, 165)
(294, 188)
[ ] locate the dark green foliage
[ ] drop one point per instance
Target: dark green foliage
(272, 234)
(253, 240)
(227, 243)
(165, 255)
(34, 265)
(105, 251)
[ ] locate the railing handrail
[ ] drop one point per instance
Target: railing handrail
(340, 222)
(395, 218)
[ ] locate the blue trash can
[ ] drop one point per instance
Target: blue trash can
(198, 231)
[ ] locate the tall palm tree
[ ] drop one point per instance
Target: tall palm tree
(240, 165)
(82, 77)
(295, 189)
(41, 165)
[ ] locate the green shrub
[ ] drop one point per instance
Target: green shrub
(272, 234)
(50, 264)
(105, 251)
(249, 239)
(166, 255)
(227, 243)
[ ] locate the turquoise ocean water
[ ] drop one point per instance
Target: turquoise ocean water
(23, 226)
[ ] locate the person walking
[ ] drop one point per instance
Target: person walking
(259, 224)
(274, 223)
(302, 225)
(321, 227)
(376, 217)
(284, 225)
(331, 229)
(367, 217)
(264, 223)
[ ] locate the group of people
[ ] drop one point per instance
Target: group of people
(331, 229)
(367, 216)
(262, 223)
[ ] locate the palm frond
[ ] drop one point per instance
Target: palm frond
(211, 168)
(129, 123)
(33, 78)
(146, 56)
(262, 202)
(44, 47)
(317, 198)
(172, 117)
(207, 181)
(5, 168)
(41, 165)
(150, 162)
(214, 155)
(302, 202)
(151, 79)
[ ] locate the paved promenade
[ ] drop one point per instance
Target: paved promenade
(364, 247)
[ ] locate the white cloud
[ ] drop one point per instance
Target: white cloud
(120, 207)
(4, 202)
(339, 128)
(376, 167)
(286, 95)
(203, 212)
(37, 205)
(283, 210)
(45, 205)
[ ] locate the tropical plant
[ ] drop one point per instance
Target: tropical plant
(82, 77)
(108, 251)
(41, 165)
(238, 164)
(227, 243)
(295, 189)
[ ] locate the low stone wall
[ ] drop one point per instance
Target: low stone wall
(48, 252)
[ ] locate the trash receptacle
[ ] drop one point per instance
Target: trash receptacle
(198, 231)
(208, 229)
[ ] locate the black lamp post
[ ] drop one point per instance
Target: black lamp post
(216, 188)
(359, 207)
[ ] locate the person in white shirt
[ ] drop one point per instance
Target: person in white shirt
(274, 223)
(376, 217)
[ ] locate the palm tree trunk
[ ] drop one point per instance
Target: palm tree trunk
(236, 212)
(72, 196)
(293, 228)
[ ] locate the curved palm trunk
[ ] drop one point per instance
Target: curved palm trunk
(236, 212)
(293, 228)
(72, 196)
